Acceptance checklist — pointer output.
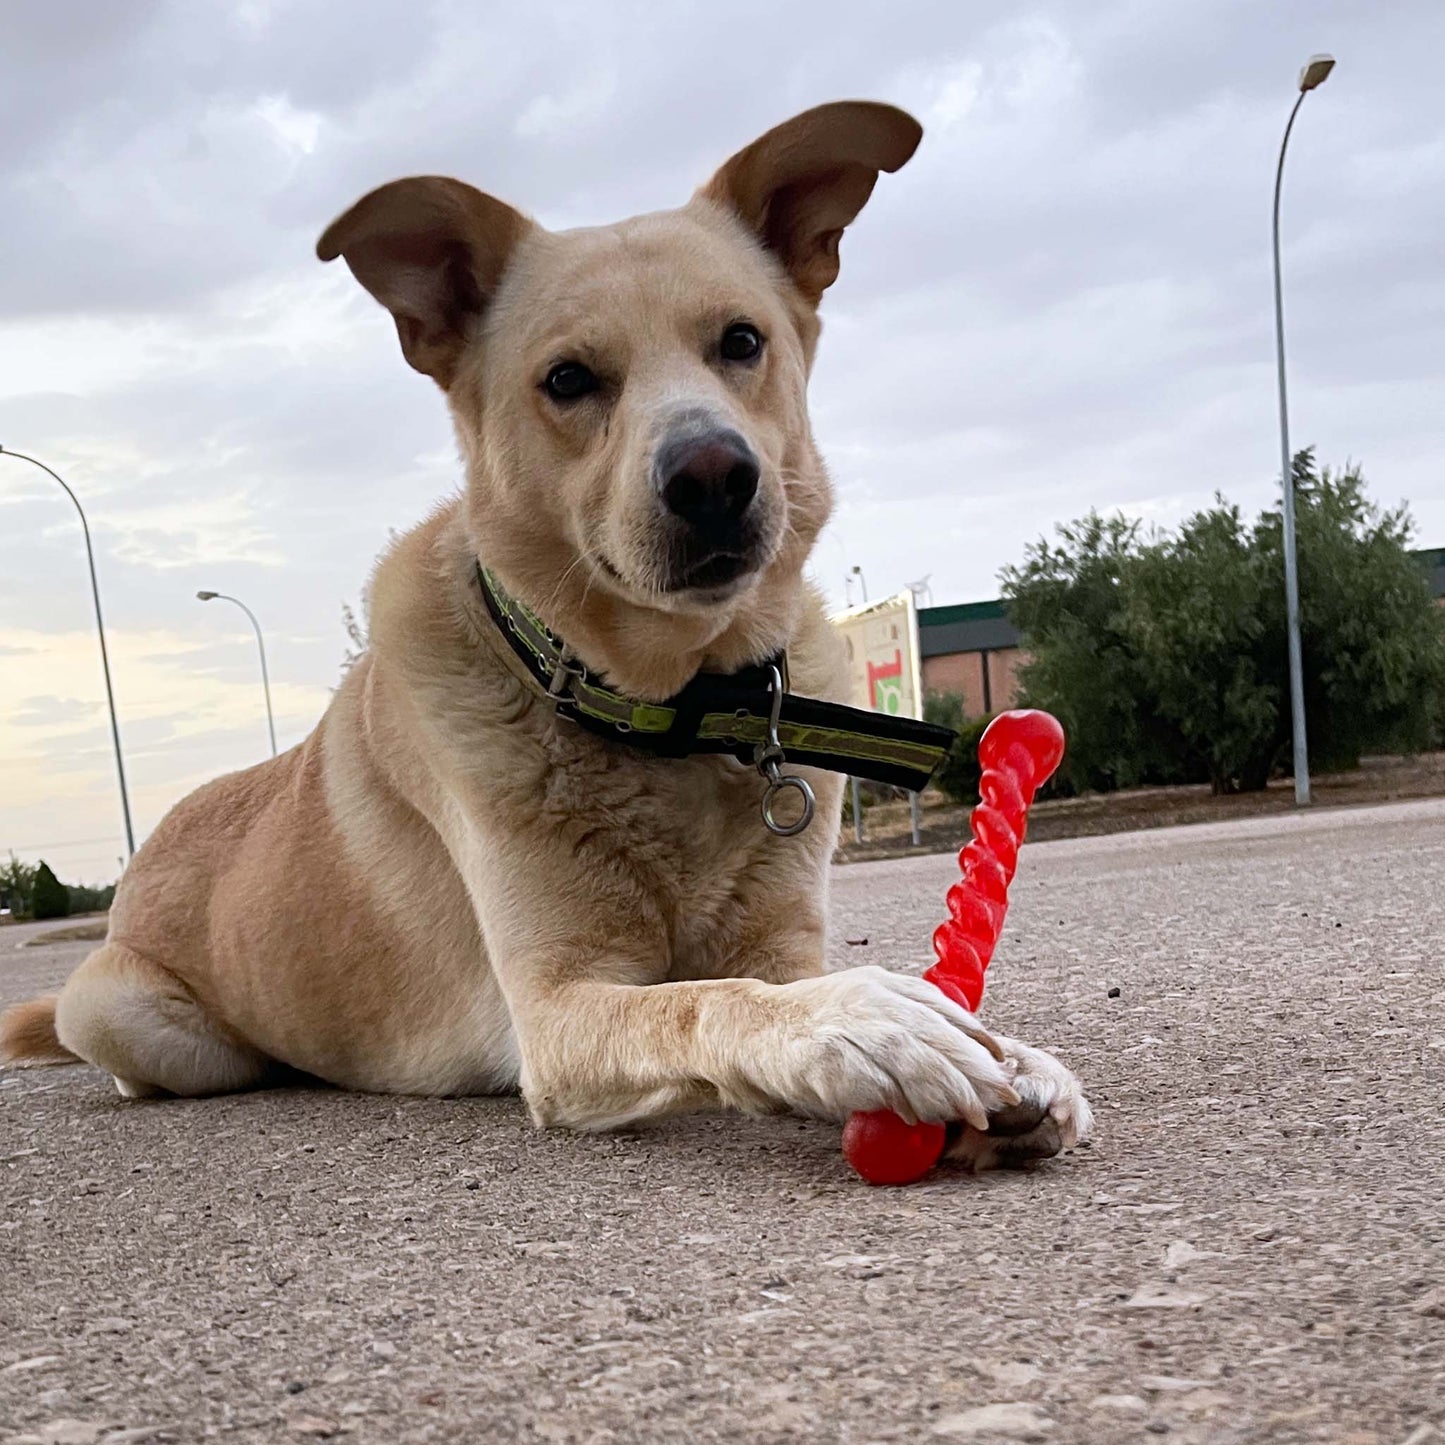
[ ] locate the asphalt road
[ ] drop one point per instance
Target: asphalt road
(1252, 1248)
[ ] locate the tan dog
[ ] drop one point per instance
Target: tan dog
(448, 889)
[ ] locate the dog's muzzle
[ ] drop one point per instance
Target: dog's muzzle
(706, 478)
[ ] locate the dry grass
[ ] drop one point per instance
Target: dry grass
(92, 930)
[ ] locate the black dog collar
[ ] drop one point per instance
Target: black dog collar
(748, 714)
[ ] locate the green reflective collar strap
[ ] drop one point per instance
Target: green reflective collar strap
(721, 712)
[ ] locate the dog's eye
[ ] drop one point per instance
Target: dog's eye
(741, 342)
(568, 381)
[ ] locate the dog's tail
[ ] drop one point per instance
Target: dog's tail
(27, 1035)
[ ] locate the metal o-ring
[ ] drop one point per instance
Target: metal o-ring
(789, 830)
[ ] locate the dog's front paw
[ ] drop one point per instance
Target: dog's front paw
(1051, 1114)
(866, 1039)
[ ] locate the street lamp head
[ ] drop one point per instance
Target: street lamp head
(1316, 71)
(206, 596)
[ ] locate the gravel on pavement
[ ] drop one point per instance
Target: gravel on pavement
(1251, 1249)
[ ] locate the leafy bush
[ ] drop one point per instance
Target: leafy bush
(1372, 635)
(958, 776)
(17, 884)
(1165, 656)
(49, 897)
(86, 899)
(1197, 613)
(1070, 603)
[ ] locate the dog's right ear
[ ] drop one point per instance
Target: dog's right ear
(432, 251)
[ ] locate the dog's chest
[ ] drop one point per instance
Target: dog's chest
(729, 870)
(686, 834)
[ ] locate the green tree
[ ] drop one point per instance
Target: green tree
(958, 775)
(85, 898)
(1070, 601)
(1197, 615)
(1165, 657)
(356, 638)
(17, 884)
(50, 897)
(1373, 637)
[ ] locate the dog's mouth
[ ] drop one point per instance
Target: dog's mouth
(719, 570)
(712, 579)
(600, 562)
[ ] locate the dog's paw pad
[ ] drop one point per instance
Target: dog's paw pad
(1017, 1119)
(1027, 1144)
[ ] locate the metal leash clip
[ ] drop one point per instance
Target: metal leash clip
(768, 758)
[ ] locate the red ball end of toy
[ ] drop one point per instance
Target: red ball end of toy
(1038, 732)
(885, 1150)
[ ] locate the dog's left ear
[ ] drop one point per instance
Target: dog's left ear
(801, 184)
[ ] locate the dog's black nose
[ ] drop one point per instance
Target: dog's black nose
(708, 481)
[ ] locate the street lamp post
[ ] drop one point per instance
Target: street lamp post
(1314, 74)
(862, 581)
(260, 647)
(100, 630)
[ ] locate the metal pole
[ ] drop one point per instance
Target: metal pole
(104, 655)
(1291, 564)
(854, 792)
(261, 648)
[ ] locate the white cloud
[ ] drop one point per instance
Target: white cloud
(298, 130)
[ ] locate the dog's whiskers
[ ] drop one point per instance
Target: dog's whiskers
(561, 583)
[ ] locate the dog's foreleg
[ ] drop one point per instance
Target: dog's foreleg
(599, 1054)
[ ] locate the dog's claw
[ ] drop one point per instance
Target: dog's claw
(1051, 1115)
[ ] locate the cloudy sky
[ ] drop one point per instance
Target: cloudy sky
(1063, 302)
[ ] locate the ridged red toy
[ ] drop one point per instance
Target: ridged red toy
(1019, 752)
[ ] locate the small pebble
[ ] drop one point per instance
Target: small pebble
(71, 1432)
(1114, 992)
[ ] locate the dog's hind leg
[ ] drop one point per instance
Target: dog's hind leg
(144, 1026)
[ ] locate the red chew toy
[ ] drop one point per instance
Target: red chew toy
(1019, 752)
